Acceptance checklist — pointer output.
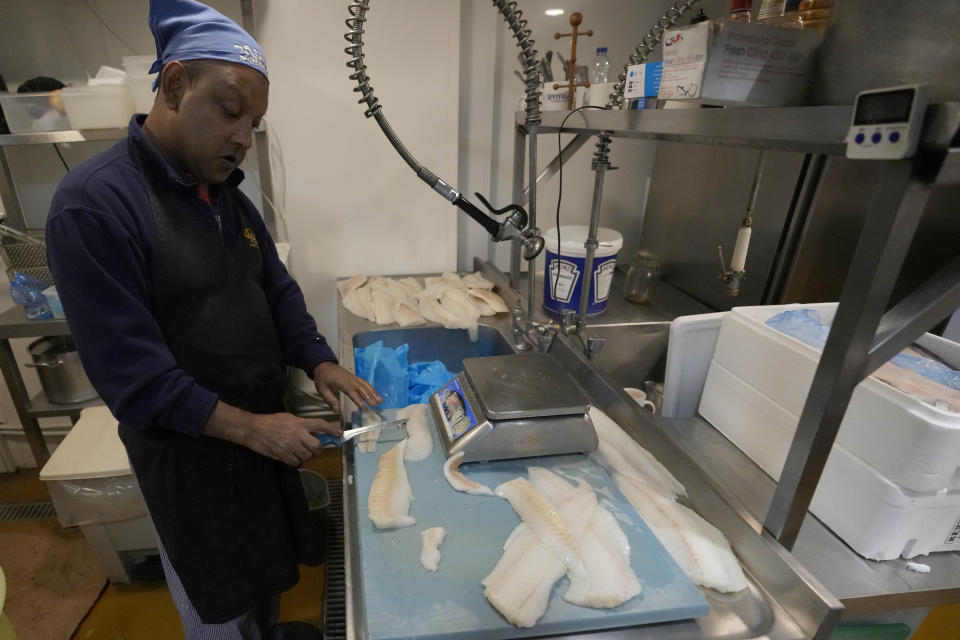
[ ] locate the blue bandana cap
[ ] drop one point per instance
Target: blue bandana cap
(189, 30)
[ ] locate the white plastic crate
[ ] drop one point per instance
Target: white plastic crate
(911, 442)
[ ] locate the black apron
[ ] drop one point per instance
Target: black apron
(234, 523)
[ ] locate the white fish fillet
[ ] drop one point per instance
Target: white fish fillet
(699, 548)
(461, 482)
(359, 303)
(604, 548)
(476, 281)
(430, 541)
(351, 283)
(491, 300)
(411, 284)
(560, 530)
(519, 585)
(384, 306)
(367, 442)
(619, 452)
(419, 438)
(408, 316)
(460, 303)
(390, 493)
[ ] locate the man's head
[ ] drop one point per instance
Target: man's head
(211, 90)
(204, 115)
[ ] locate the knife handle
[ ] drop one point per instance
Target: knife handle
(328, 440)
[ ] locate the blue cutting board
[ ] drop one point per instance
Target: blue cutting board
(403, 600)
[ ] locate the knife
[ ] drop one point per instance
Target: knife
(397, 429)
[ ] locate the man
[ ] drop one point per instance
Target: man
(186, 320)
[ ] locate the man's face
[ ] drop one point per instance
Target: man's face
(214, 122)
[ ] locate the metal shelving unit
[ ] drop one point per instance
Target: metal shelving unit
(864, 336)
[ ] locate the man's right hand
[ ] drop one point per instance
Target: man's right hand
(281, 436)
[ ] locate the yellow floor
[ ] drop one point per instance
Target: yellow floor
(145, 611)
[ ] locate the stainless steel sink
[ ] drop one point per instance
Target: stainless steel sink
(450, 346)
(633, 353)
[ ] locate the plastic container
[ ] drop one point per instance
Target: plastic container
(135, 66)
(600, 69)
(53, 301)
(99, 107)
(141, 90)
(34, 112)
(561, 290)
(641, 275)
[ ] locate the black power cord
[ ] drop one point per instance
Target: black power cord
(57, 149)
(560, 191)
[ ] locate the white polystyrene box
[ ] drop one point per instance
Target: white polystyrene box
(913, 443)
(876, 517)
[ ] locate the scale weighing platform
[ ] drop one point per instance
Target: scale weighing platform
(513, 406)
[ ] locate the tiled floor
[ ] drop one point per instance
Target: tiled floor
(145, 611)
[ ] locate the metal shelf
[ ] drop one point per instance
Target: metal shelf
(816, 130)
(57, 137)
(41, 407)
(864, 586)
(14, 324)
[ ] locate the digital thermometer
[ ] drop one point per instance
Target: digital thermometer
(886, 123)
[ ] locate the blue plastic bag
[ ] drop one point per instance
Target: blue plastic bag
(28, 291)
(386, 370)
(425, 379)
(803, 324)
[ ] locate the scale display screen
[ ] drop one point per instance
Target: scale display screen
(884, 108)
(457, 412)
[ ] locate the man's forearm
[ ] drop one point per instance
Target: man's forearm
(230, 423)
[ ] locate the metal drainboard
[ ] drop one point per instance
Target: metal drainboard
(335, 583)
(31, 511)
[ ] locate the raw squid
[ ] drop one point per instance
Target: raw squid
(419, 438)
(430, 541)
(390, 493)
(519, 585)
(604, 548)
(367, 442)
(618, 452)
(461, 482)
(476, 281)
(699, 548)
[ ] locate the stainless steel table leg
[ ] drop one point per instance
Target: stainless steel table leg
(31, 427)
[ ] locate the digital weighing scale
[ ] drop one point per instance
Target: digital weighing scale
(514, 406)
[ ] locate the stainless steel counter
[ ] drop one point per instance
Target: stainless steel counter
(784, 601)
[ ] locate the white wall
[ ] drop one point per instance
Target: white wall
(352, 204)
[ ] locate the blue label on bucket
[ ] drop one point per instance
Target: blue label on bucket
(565, 279)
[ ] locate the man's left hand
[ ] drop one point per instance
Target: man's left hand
(330, 378)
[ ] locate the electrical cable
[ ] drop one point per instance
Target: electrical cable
(560, 190)
(62, 159)
(107, 26)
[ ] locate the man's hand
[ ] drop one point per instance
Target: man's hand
(281, 436)
(330, 378)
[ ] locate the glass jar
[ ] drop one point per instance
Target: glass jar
(644, 270)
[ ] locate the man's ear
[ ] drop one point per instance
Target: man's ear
(173, 84)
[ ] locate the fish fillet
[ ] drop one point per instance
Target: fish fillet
(359, 303)
(460, 482)
(617, 451)
(351, 283)
(411, 284)
(419, 438)
(367, 442)
(476, 281)
(560, 532)
(604, 548)
(384, 306)
(408, 316)
(430, 541)
(520, 584)
(390, 493)
(490, 300)
(460, 303)
(699, 548)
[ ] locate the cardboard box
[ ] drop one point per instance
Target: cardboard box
(728, 62)
(643, 80)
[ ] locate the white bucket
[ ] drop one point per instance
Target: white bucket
(565, 265)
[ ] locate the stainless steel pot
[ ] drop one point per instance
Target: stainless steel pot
(58, 365)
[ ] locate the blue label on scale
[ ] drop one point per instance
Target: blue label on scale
(458, 416)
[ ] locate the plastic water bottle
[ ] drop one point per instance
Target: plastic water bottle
(27, 291)
(600, 69)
